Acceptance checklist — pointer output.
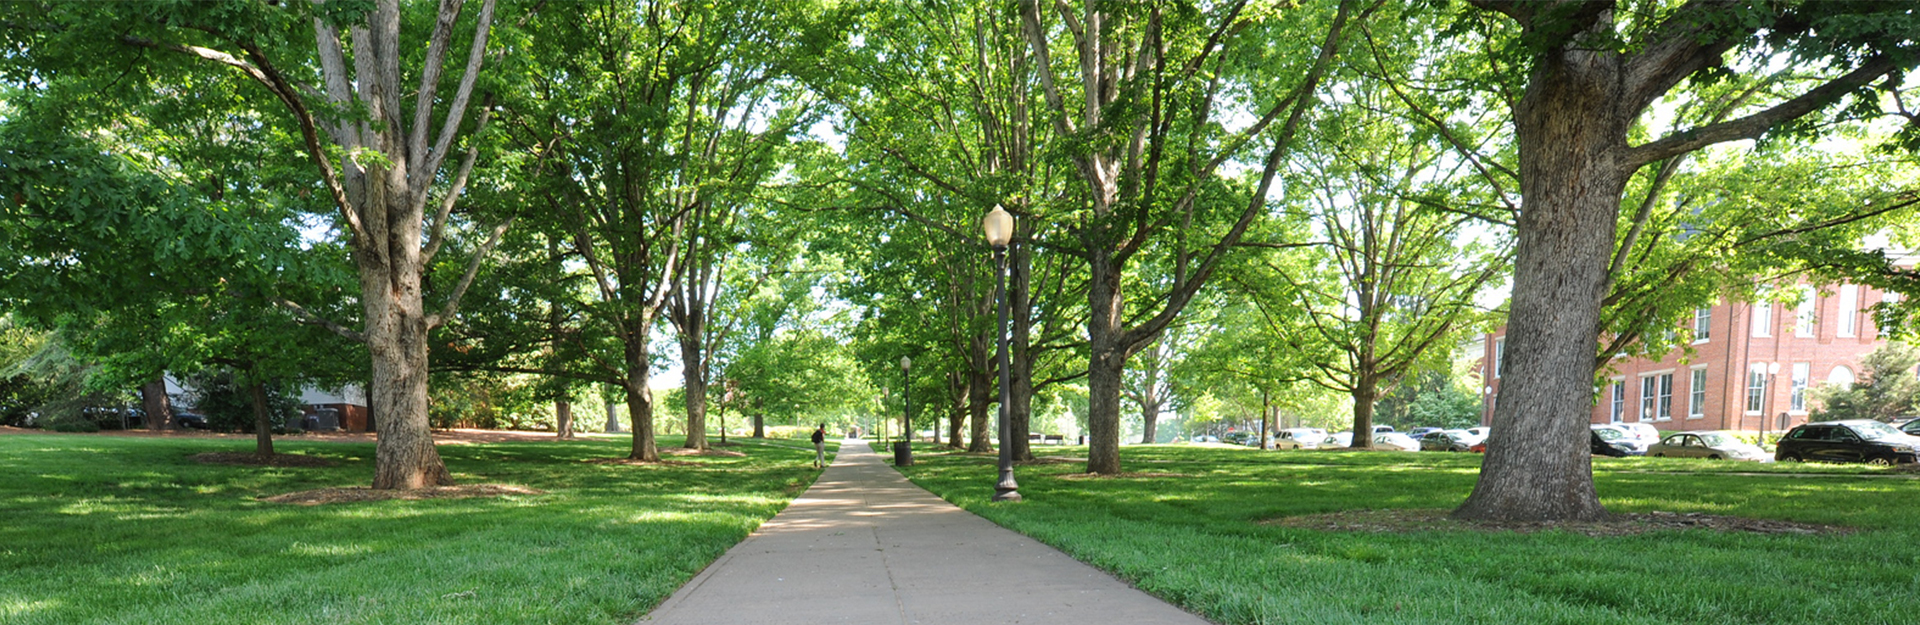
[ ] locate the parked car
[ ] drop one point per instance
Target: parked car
(1611, 442)
(1482, 431)
(1395, 440)
(1643, 432)
(1448, 440)
(1911, 427)
(1203, 438)
(1626, 436)
(1299, 438)
(1709, 445)
(1337, 440)
(190, 420)
(1418, 432)
(1382, 428)
(1241, 438)
(1479, 448)
(1857, 440)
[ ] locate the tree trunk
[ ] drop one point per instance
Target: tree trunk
(262, 422)
(759, 425)
(957, 412)
(1571, 179)
(1020, 354)
(694, 380)
(563, 419)
(154, 400)
(613, 415)
(1366, 391)
(397, 339)
(1106, 363)
(980, 390)
(640, 401)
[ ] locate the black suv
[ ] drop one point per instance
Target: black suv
(1859, 440)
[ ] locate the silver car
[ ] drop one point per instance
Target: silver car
(1712, 445)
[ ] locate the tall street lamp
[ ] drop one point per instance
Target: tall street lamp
(999, 227)
(903, 449)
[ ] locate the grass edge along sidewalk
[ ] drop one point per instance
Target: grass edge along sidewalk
(1194, 526)
(101, 529)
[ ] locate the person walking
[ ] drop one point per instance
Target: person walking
(820, 446)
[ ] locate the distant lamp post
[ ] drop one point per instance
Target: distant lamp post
(1766, 400)
(999, 227)
(903, 449)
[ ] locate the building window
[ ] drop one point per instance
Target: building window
(1801, 371)
(1702, 324)
(1763, 318)
(1499, 354)
(1841, 377)
(1697, 394)
(1803, 315)
(1666, 398)
(1619, 399)
(1849, 309)
(1756, 390)
(1649, 397)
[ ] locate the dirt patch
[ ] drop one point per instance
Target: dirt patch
(1421, 520)
(705, 453)
(250, 460)
(344, 495)
(642, 463)
(1117, 476)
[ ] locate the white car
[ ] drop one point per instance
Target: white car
(1337, 440)
(1628, 436)
(1395, 440)
(1299, 438)
(1643, 432)
(1481, 432)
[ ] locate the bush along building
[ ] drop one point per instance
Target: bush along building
(1752, 366)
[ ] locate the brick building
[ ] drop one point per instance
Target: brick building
(1749, 360)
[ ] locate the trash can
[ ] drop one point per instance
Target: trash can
(902, 454)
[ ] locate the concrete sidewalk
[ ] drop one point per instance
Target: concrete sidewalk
(864, 545)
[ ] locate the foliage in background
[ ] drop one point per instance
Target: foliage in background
(1889, 389)
(221, 395)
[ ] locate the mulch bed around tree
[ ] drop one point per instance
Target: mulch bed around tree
(1421, 520)
(343, 495)
(250, 460)
(708, 453)
(642, 463)
(1117, 476)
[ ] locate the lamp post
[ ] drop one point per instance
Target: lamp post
(999, 227)
(903, 449)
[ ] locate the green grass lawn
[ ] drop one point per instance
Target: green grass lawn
(1194, 537)
(99, 529)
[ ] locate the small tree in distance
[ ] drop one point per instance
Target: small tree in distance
(1890, 391)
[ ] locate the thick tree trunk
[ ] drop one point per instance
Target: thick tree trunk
(1106, 364)
(1366, 391)
(980, 391)
(1571, 179)
(563, 419)
(694, 379)
(262, 421)
(958, 392)
(1020, 352)
(613, 415)
(397, 339)
(154, 400)
(759, 426)
(640, 402)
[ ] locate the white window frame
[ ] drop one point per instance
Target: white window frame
(1649, 398)
(1849, 312)
(1702, 324)
(1756, 398)
(1664, 412)
(1803, 315)
(1762, 318)
(1802, 374)
(1619, 401)
(1697, 392)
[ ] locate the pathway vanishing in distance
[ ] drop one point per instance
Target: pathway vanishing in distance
(864, 545)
